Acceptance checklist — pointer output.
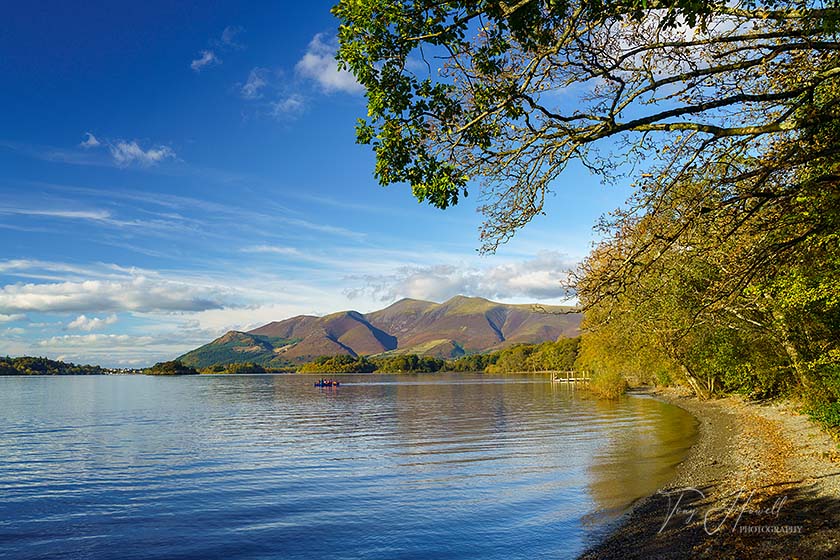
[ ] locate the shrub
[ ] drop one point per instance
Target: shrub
(608, 385)
(827, 414)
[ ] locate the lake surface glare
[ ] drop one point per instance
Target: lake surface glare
(268, 466)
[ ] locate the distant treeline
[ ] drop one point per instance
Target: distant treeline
(244, 367)
(548, 356)
(170, 368)
(27, 365)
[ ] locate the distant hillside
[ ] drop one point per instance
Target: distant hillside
(473, 324)
(347, 332)
(462, 325)
(237, 348)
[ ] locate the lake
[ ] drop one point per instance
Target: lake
(268, 466)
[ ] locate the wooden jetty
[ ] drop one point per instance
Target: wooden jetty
(570, 377)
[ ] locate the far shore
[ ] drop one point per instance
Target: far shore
(761, 482)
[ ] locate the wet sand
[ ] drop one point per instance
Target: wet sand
(761, 482)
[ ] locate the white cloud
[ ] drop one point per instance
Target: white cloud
(161, 314)
(207, 58)
(291, 105)
(69, 214)
(225, 43)
(540, 278)
(83, 323)
(138, 293)
(319, 65)
(113, 350)
(25, 267)
(254, 84)
(270, 93)
(10, 346)
(85, 340)
(126, 153)
(273, 249)
(122, 151)
(90, 141)
(10, 318)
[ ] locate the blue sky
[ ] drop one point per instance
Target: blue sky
(170, 172)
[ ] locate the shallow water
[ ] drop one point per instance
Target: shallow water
(450, 466)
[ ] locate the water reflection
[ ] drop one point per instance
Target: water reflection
(384, 466)
(638, 459)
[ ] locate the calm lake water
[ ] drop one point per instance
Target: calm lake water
(455, 466)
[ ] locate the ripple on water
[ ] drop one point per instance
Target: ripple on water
(268, 466)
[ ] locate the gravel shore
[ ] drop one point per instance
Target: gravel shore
(761, 482)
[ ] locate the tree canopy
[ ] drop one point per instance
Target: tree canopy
(723, 268)
(509, 93)
(173, 367)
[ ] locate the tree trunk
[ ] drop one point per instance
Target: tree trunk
(789, 347)
(696, 386)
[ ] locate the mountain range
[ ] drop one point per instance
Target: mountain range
(459, 326)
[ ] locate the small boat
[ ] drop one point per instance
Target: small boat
(327, 383)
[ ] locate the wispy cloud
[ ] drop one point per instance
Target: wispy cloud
(256, 82)
(228, 40)
(319, 64)
(323, 228)
(169, 201)
(292, 105)
(126, 153)
(279, 99)
(270, 94)
(272, 249)
(90, 141)
(85, 340)
(97, 215)
(166, 215)
(206, 58)
(123, 152)
(156, 224)
(47, 270)
(54, 154)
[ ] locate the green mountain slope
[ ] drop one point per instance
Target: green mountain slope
(236, 348)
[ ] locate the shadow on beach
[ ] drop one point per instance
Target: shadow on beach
(780, 520)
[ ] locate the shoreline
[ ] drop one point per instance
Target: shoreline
(761, 480)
